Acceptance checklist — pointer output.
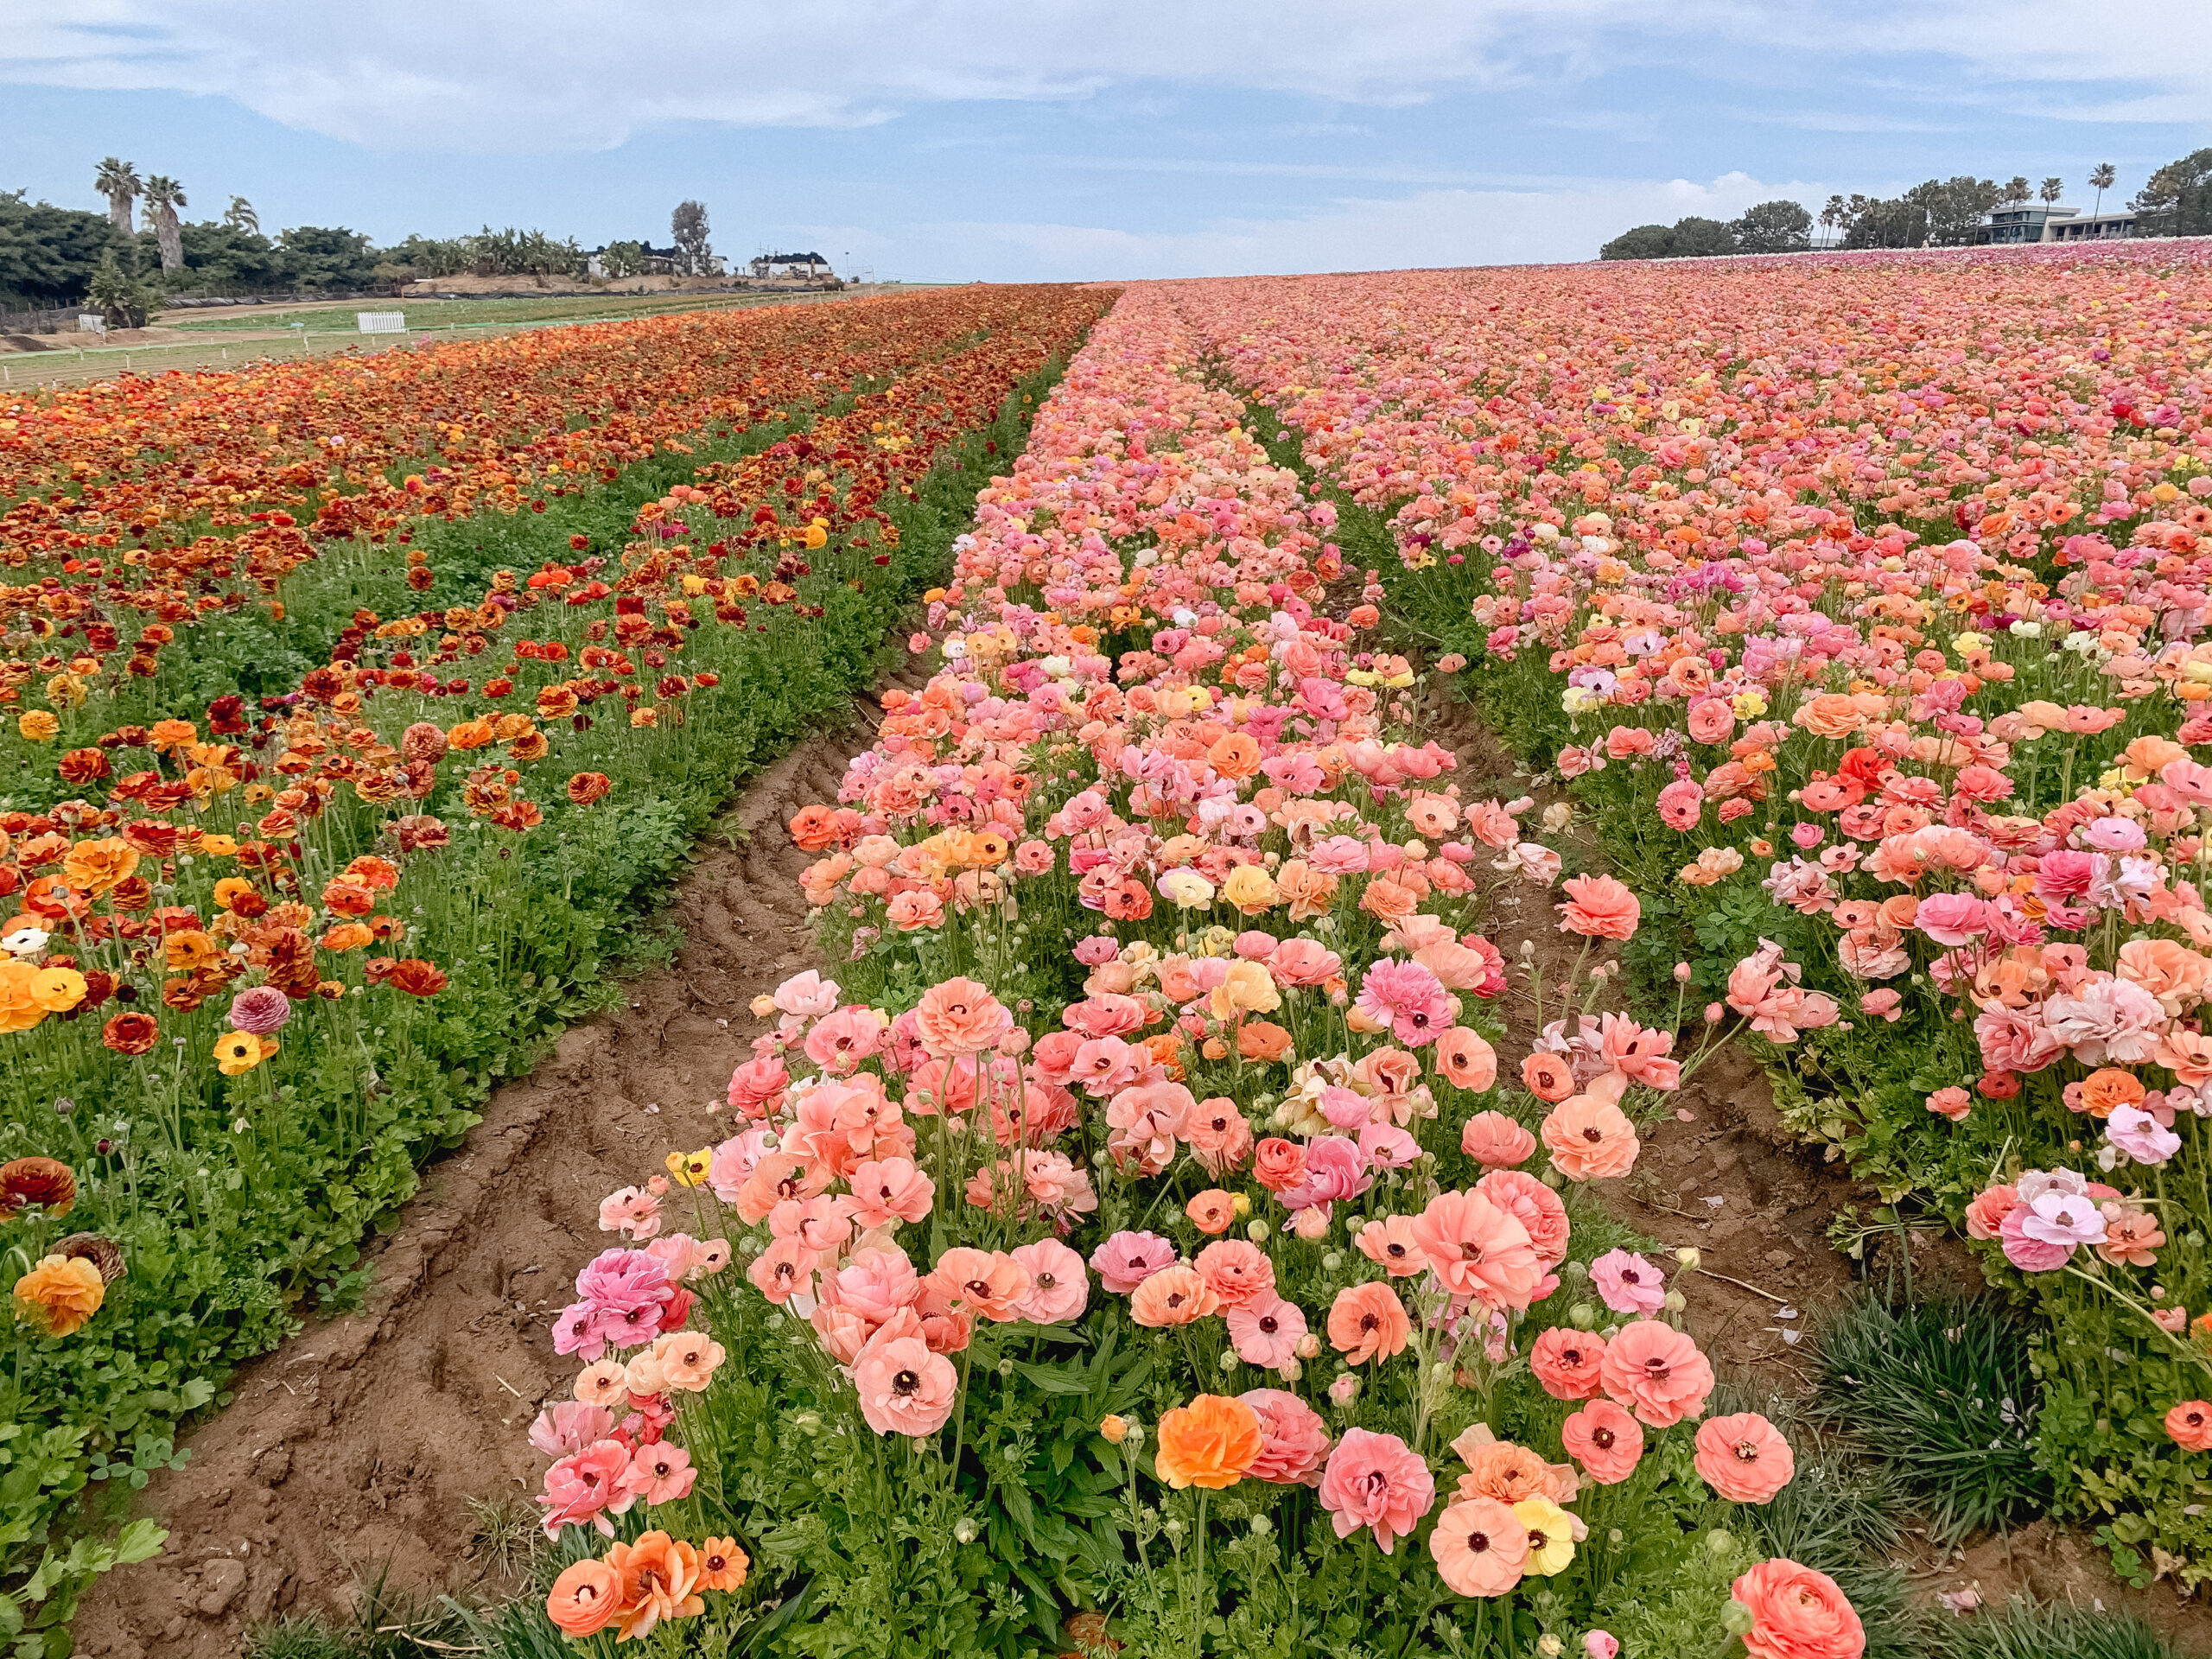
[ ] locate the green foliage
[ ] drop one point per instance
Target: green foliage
(1782, 226)
(2177, 200)
(2025, 1630)
(318, 257)
(123, 298)
(48, 254)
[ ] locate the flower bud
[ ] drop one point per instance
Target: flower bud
(1262, 1526)
(1674, 1301)
(964, 1531)
(1242, 1204)
(1550, 1646)
(1736, 1618)
(1681, 973)
(1309, 1346)
(1258, 1232)
(1687, 1258)
(1115, 1429)
(1721, 1541)
(808, 1422)
(1582, 1316)
(1229, 1359)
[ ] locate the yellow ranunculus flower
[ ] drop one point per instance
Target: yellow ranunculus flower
(37, 725)
(1251, 889)
(237, 1052)
(1551, 1534)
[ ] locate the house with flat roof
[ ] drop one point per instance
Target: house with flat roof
(2024, 223)
(790, 265)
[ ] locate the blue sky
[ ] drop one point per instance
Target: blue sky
(1011, 139)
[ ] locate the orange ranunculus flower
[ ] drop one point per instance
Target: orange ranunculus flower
(721, 1564)
(660, 1576)
(20, 1007)
(131, 1033)
(346, 936)
(1209, 1443)
(60, 1294)
(188, 949)
(97, 866)
(584, 1598)
(2109, 1088)
(417, 978)
(343, 897)
(587, 787)
(1262, 1041)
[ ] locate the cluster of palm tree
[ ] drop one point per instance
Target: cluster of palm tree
(118, 180)
(1942, 211)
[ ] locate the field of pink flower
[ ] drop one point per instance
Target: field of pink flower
(1133, 1247)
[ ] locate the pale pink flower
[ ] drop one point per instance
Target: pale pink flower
(1265, 1333)
(1375, 1481)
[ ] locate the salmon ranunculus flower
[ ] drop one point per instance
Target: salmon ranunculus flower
(1568, 1364)
(1368, 1322)
(1658, 1372)
(60, 1293)
(584, 1598)
(987, 1282)
(1379, 1482)
(1797, 1613)
(904, 1389)
(959, 1018)
(1744, 1457)
(1547, 1076)
(1605, 1440)
(1599, 908)
(2189, 1424)
(1212, 1442)
(660, 1577)
(1590, 1139)
(1211, 1211)
(1480, 1547)
(723, 1565)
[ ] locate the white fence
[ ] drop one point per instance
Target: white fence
(382, 322)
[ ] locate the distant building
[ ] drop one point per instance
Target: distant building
(766, 266)
(660, 262)
(2017, 225)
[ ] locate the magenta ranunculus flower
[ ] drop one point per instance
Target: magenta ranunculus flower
(1126, 1260)
(1628, 1284)
(1378, 1481)
(261, 1011)
(1410, 998)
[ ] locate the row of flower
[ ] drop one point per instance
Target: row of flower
(1133, 1247)
(262, 964)
(199, 535)
(1862, 605)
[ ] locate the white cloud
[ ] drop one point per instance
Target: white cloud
(1428, 229)
(491, 75)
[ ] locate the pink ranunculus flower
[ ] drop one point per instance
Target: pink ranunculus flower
(1294, 1441)
(566, 1427)
(1126, 1260)
(904, 1388)
(1058, 1287)
(1267, 1332)
(1375, 1481)
(1628, 1284)
(585, 1487)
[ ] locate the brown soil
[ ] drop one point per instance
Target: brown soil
(358, 1447)
(2048, 1563)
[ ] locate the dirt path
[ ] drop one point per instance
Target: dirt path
(359, 1445)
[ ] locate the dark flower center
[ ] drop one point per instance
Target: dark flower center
(1602, 1439)
(905, 1382)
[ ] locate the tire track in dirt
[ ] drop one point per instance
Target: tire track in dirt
(355, 1448)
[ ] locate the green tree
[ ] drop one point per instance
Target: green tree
(1644, 242)
(1835, 218)
(687, 227)
(2177, 200)
(118, 182)
(2101, 180)
(1889, 224)
(2051, 191)
(1696, 238)
(330, 258)
(48, 254)
(240, 216)
(122, 297)
(2017, 190)
(432, 255)
(224, 256)
(1774, 227)
(164, 195)
(623, 259)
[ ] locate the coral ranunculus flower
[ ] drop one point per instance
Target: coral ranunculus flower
(1744, 1457)
(1658, 1372)
(1590, 1139)
(1212, 1442)
(1480, 1547)
(60, 1293)
(1599, 908)
(584, 1598)
(1797, 1613)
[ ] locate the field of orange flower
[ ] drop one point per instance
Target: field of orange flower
(269, 949)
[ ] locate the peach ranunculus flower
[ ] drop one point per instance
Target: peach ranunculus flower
(1605, 1440)
(1599, 908)
(1568, 1364)
(1467, 1060)
(1590, 1139)
(1496, 1141)
(1548, 1075)
(1174, 1295)
(1658, 1372)
(1294, 1441)
(958, 1018)
(1212, 1442)
(60, 1293)
(584, 1598)
(1368, 1322)
(1480, 1250)
(1744, 1457)
(1480, 1547)
(1797, 1613)
(2189, 1426)
(1211, 1211)
(988, 1282)
(1501, 1470)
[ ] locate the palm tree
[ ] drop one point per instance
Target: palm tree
(2051, 191)
(164, 195)
(118, 182)
(2016, 190)
(240, 215)
(2103, 179)
(1831, 216)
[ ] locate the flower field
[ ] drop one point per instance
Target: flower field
(1129, 1239)
(272, 941)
